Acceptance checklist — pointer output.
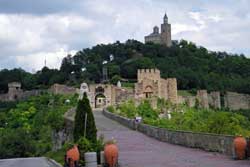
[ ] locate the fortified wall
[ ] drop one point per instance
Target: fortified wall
(236, 101)
(16, 93)
(62, 89)
(204, 99)
(150, 84)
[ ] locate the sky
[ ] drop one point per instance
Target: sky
(32, 31)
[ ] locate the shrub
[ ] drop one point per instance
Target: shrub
(146, 111)
(84, 113)
(128, 109)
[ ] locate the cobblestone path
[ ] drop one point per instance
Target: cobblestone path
(138, 150)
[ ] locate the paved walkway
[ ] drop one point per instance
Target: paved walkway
(26, 162)
(138, 150)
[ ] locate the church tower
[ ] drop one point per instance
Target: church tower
(166, 32)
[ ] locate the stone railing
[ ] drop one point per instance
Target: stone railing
(122, 120)
(205, 141)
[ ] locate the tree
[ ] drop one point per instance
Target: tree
(84, 113)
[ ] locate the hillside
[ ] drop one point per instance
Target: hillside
(194, 67)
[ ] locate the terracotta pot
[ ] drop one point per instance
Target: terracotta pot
(240, 145)
(111, 154)
(73, 154)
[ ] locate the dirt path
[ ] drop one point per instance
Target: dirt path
(138, 150)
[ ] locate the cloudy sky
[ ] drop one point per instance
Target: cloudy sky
(32, 30)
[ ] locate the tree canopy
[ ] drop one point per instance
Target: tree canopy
(194, 66)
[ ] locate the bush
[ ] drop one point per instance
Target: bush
(16, 143)
(84, 145)
(146, 111)
(111, 109)
(26, 128)
(189, 119)
(128, 109)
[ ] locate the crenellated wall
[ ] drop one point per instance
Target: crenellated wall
(152, 74)
(150, 85)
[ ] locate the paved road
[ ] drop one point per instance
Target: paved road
(138, 150)
(26, 162)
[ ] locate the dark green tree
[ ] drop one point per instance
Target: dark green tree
(83, 112)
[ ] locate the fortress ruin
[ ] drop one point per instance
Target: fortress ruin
(150, 84)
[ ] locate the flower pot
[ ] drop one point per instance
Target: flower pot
(72, 156)
(73, 153)
(240, 145)
(90, 159)
(111, 154)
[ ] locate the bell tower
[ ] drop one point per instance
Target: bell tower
(166, 32)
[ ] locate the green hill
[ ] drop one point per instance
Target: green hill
(194, 67)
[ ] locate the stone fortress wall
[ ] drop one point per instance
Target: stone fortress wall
(150, 84)
(16, 93)
(236, 101)
(230, 100)
(62, 89)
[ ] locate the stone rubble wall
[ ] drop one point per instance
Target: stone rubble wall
(205, 99)
(236, 101)
(62, 89)
(20, 95)
(214, 99)
(123, 94)
(202, 96)
(205, 141)
(172, 90)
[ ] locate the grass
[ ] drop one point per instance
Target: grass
(185, 93)
(128, 85)
(58, 155)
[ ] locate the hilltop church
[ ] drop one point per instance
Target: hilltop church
(164, 37)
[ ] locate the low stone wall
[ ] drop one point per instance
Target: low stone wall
(122, 120)
(209, 142)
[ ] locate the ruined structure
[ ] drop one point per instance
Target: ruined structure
(62, 89)
(202, 97)
(150, 84)
(15, 93)
(214, 99)
(236, 101)
(103, 95)
(164, 37)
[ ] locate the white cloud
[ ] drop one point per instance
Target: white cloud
(35, 36)
(216, 18)
(37, 61)
(217, 25)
